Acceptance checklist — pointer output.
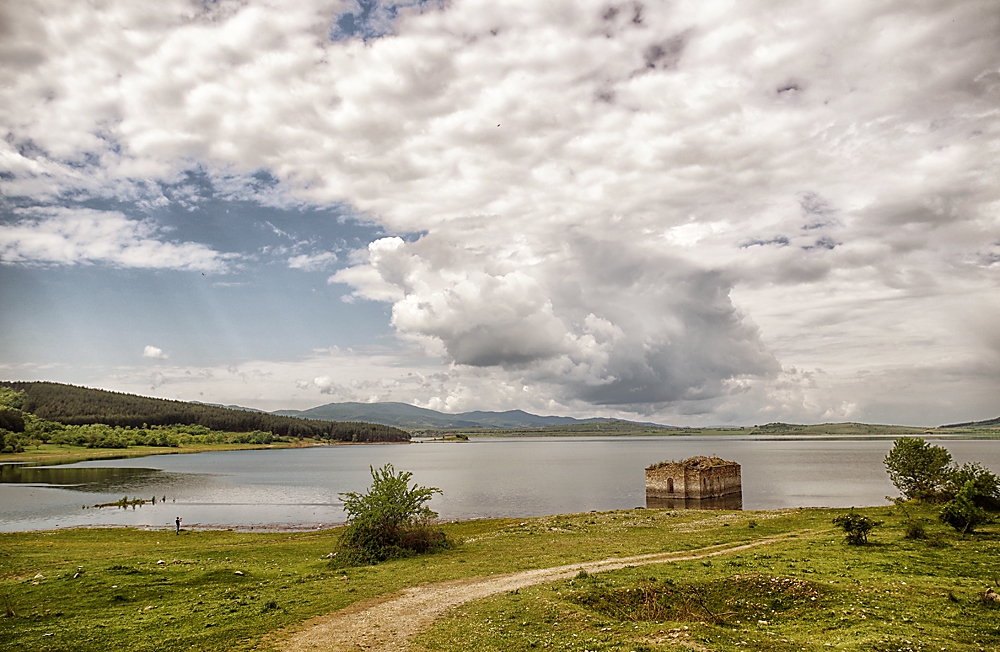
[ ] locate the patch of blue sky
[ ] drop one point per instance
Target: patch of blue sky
(371, 19)
(194, 210)
(95, 314)
(273, 302)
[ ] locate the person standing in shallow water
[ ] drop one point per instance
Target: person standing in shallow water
(178, 522)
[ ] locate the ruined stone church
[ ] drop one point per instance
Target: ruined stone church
(696, 478)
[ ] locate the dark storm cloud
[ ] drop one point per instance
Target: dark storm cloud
(666, 54)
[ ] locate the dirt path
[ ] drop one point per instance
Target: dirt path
(390, 622)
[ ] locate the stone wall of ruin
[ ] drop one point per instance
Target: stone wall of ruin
(677, 481)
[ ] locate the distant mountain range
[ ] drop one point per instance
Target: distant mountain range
(402, 415)
(80, 405)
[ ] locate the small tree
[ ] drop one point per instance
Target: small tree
(389, 520)
(11, 419)
(856, 527)
(918, 469)
(962, 512)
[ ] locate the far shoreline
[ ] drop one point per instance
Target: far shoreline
(53, 455)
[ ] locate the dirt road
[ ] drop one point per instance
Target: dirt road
(390, 622)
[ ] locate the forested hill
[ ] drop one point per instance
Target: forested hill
(72, 405)
(988, 423)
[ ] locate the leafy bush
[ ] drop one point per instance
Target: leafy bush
(856, 527)
(10, 442)
(919, 470)
(255, 437)
(915, 530)
(986, 486)
(962, 512)
(389, 520)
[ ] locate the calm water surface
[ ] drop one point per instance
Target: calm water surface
(482, 478)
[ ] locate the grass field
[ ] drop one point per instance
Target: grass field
(127, 589)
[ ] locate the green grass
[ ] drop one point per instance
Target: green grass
(810, 593)
(234, 591)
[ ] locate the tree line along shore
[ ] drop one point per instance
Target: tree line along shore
(40, 413)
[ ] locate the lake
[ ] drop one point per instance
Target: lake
(515, 477)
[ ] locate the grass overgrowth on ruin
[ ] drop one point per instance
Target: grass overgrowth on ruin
(128, 589)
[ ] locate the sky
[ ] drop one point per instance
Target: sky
(692, 212)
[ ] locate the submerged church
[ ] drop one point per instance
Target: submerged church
(697, 479)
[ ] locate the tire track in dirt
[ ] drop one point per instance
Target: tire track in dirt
(390, 622)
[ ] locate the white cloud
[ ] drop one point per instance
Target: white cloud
(70, 236)
(154, 352)
(324, 384)
(312, 262)
(607, 206)
(613, 322)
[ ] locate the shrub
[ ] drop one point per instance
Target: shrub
(915, 530)
(389, 520)
(962, 512)
(986, 485)
(856, 527)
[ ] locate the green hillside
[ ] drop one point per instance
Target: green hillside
(988, 423)
(72, 405)
(412, 417)
(848, 428)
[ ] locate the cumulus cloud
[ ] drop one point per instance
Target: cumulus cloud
(154, 352)
(70, 236)
(324, 384)
(654, 205)
(612, 321)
